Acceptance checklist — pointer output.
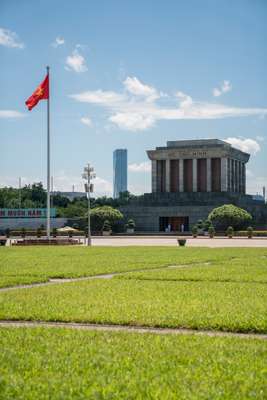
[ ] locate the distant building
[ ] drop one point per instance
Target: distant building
(119, 172)
(70, 195)
(189, 179)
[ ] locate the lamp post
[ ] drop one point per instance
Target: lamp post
(88, 174)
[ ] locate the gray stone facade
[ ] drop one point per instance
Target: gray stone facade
(208, 165)
(147, 210)
(189, 179)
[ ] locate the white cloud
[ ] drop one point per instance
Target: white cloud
(141, 167)
(137, 88)
(11, 114)
(59, 41)
(260, 138)
(132, 121)
(224, 88)
(76, 62)
(10, 39)
(136, 108)
(86, 121)
(247, 145)
(99, 97)
(185, 100)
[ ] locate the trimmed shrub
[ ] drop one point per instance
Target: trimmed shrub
(130, 224)
(211, 231)
(230, 231)
(195, 231)
(39, 232)
(229, 215)
(106, 226)
(100, 214)
(250, 232)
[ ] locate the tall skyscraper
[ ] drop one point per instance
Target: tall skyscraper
(119, 172)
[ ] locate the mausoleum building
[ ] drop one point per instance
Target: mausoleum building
(189, 178)
(209, 165)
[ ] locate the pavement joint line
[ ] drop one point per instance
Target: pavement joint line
(129, 328)
(53, 281)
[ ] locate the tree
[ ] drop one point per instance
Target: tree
(100, 214)
(229, 215)
(73, 210)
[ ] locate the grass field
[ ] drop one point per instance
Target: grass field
(198, 305)
(208, 289)
(38, 264)
(235, 270)
(46, 364)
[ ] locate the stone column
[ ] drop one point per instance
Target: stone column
(194, 175)
(234, 175)
(238, 176)
(208, 174)
(154, 175)
(168, 180)
(181, 175)
(224, 174)
(230, 175)
(244, 178)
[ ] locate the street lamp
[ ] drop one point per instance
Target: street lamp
(88, 174)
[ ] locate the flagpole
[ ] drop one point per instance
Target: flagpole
(48, 164)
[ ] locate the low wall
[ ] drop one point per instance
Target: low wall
(33, 223)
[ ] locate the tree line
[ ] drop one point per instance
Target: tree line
(34, 196)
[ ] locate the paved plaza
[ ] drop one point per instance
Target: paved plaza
(172, 241)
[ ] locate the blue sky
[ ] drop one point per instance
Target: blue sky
(130, 74)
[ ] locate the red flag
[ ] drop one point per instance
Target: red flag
(41, 93)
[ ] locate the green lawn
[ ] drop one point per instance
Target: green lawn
(236, 270)
(201, 305)
(45, 364)
(38, 264)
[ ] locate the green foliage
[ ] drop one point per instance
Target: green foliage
(54, 232)
(60, 201)
(142, 302)
(206, 225)
(250, 231)
(39, 232)
(23, 232)
(130, 224)
(200, 224)
(195, 230)
(229, 215)
(211, 231)
(73, 210)
(106, 226)
(100, 214)
(32, 196)
(50, 363)
(230, 231)
(36, 264)
(247, 269)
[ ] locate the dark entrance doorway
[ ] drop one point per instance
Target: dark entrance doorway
(175, 223)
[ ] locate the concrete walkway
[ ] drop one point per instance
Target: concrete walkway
(128, 328)
(172, 241)
(53, 281)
